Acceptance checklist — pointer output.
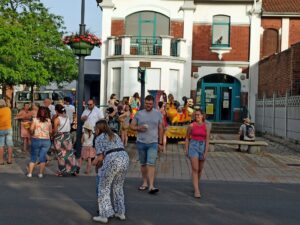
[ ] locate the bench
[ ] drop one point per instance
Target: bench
(252, 146)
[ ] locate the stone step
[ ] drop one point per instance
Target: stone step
(225, 128)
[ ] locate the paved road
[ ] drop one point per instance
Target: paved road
(71, 201)
(238, 188)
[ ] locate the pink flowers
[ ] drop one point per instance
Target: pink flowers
(87, 37)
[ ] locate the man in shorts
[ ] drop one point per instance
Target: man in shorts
(149, 127)
(5, 132)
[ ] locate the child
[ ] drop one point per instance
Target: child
(88, 153)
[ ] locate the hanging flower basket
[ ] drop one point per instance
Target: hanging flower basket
(82, 44)
(82, 48)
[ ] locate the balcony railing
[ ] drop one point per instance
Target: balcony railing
(145, 45)
(174, 46)
(156, 46)
(118, 46)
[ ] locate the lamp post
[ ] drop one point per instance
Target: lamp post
(80, 83)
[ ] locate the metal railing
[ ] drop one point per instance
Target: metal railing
(16, 128)
(173, 49)
(145, 45)
(118, 46)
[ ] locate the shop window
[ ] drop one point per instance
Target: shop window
(221, 31)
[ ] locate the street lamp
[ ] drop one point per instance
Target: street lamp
(80, 83)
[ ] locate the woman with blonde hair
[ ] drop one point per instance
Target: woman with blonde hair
(111, 175)
(196, 147)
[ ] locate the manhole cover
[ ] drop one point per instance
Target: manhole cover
(293, 164)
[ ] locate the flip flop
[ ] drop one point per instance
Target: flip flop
(197, 195)
(143, 188)
(153, 190)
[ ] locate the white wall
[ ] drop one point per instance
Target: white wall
(161, 76)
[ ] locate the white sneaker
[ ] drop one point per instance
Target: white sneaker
(29, 175)
(40, 175)
(100, 219)
(120, 216)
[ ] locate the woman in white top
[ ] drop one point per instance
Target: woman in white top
(63, 143)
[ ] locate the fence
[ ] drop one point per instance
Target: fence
(279, 116)
(16, 129)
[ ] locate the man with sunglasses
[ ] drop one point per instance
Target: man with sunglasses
(91, 114)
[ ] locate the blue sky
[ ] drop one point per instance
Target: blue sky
(70, 10)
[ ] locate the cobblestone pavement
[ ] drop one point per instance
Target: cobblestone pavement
(277, 163)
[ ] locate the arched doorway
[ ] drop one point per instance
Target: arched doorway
(219, 96)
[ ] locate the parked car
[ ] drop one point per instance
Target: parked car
(38, 97)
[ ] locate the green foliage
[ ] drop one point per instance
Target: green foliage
(31, 47)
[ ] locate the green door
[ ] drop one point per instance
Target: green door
(218, 100)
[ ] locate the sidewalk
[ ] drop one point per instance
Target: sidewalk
(278, 163)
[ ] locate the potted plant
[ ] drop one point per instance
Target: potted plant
(82, 44)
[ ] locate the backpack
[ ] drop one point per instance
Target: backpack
(250, 133)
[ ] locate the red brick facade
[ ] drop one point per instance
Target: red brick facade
(274, 23)
(294, 36)
(117, 27)
(176, 29)
(202, 36)
(280, 73)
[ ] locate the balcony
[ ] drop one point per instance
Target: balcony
(143, 46)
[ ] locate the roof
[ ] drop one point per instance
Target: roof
(281, 6)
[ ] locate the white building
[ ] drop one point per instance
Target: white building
(204, 49)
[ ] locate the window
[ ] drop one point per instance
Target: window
(270, 42)
(147, 23)
(221, 31)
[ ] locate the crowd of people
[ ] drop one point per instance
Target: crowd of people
(50, 128)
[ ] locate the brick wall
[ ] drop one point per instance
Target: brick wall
(275, 74)
(294, 36)
(202, 36)
(296, 69)
(117, 27)
(274, 23)
(176, 29)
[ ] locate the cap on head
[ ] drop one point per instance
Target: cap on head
(88, 126)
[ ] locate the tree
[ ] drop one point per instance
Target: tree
(31, 47)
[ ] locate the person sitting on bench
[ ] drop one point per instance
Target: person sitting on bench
(246, 132)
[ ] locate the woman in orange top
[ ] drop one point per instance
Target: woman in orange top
(5, 132)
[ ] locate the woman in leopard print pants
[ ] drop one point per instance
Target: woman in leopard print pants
(111, 175)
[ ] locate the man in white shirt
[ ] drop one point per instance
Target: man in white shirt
(70, 109)
(91, 114)
(48, 103)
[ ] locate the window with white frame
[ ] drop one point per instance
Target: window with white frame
(221, 31)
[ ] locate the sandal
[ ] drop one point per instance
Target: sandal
(197, 195)
(143, 188)
(8, 162)
(153, 190)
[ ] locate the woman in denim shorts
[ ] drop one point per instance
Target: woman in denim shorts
(41, 129)
(196, 147)
(5, 132)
